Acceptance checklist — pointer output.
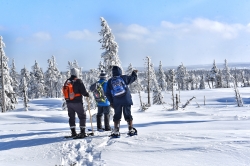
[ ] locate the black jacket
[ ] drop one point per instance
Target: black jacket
(126, 99)
(78, 87)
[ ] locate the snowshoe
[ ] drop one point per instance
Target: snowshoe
(132, 132)
(115, 134)
(101, 129)
(69, 136)
(73, 134)
(80, 136)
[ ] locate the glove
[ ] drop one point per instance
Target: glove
(135, 71)
(87, 95)
(111, 105)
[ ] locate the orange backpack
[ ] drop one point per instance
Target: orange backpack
(68, 91)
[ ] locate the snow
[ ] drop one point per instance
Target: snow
(213, 134)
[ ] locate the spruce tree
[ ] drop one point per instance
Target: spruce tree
(37, 81)
(24, 73)
(133, 86)
(110, 55)
(24, 87)
(226, 74)
(14, 76)
(181, 76)
(7, 95)
(152, 83)
(162, 78)
(202, 82)
(51, 78)
(212, 74)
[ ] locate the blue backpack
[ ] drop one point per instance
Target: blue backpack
(118, 86)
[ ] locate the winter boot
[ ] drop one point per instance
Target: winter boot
(73, 132)
(106, 122)
(131, 130)
(99, 123)
(115, 133)
(82, 134)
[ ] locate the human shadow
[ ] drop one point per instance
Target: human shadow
(25, 134)
(166, 122)
(58, 119)
(28, 143)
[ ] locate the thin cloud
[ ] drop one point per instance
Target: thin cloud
(137, 29)
(80, 35)
(42, 36)
(134, 32)
(19, 39)
(201, 25)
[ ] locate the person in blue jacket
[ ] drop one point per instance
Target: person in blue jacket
(103, 107)
(121, 103)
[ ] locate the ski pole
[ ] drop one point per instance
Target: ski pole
(90, 117)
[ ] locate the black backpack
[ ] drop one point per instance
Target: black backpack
(98, 92)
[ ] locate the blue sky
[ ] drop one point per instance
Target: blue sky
(188, 31)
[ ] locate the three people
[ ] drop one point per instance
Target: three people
(118, 97)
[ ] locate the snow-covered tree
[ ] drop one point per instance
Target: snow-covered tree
(219, 79)
(235, 75)
(129, 70)
(7, 95)
(101, 66)
(181, 76)
(24, 87)
(157, 94)
(32, 86)
(37, 82)
(192, 80)
(237, 94)
(58, 86)
(147, 79)
(198, 78)
(162, 78)
(132, 87)
(171, 83)
(14, 76)
(212, 74)
(202, 82)
(24, 73)
(110, 55)
(51, 77)
(226, 74)
(242, 74)
(92, 76)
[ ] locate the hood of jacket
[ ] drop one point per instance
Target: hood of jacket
(116, 71)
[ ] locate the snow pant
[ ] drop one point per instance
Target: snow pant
(126, 113)
(73, 109)
(103, 110)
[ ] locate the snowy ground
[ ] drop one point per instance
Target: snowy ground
(215, 134)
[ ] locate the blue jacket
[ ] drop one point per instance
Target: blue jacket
(127, 98)
(104, 86)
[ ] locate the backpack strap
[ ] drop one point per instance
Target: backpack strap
(72, 82)
(102, 83)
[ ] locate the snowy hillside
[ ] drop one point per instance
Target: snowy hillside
(213, 134)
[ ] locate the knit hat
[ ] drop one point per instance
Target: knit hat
(103, 75)
(75, 72)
